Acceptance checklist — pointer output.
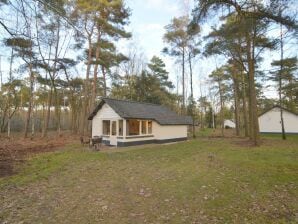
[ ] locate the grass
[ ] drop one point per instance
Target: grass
(199, 181)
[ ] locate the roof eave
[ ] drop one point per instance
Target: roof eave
(277, 106)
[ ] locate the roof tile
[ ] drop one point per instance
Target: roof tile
(137, 110)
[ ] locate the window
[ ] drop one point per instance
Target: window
(144, 127)
(114, 127)
(120, 128)
(133, 127)
(149, 127)
(105, 127)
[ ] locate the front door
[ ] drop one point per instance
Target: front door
(113, 137)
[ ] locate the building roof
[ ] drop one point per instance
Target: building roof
(137, 110)
(277, 106)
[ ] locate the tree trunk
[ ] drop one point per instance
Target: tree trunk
(28, 116)
(244, 105)
(236, 102)
(104, 81)
(280, 85)
(203, 108)
(254, 123)
(86, 89)
(183, 81)
(10, 80)
(221, 108)
(52, 79)
(32, 121)
(191, 97)
(48, 112)
(95, 75)
(57, 111)
(8, 127)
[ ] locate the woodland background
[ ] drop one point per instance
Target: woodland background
(49, 42)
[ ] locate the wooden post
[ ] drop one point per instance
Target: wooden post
(124, 129)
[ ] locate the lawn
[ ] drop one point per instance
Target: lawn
(207, 180)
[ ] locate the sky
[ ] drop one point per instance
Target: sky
(147, 24)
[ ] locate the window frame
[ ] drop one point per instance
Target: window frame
(120, 131)
(150, 131)
(143, 125)
(108, 126)
(113, 130)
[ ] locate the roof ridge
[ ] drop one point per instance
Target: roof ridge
(132, 101)
(280, 107)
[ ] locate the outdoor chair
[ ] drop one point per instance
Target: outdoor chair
(96, 142)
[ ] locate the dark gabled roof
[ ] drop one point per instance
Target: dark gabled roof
(277, 106)
(137, 110)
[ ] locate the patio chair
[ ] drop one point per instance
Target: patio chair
(96, 142)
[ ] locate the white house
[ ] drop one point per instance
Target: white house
(270, 121)
(127, 123)
(229, 124)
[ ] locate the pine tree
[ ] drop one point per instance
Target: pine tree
(289, 81)
(103, 22)
(158, 68)
(250, 14)
(176, 37)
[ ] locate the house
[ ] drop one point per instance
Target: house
(270, 121)
(127, 123)
(229, 124)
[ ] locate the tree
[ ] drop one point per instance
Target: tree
(102, 21)
(250, 12)
(50, 38)
(152, 85)
(9, 103)
(284, 75)
(218, 76)
(24, 49)
(158, 68)
(176, 37)
(193, 51)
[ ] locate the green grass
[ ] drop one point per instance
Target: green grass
(199, 181)
(293, 137)
(204, 132)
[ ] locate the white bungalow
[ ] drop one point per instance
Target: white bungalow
(229, 124)
(270, 121)
(127, 123)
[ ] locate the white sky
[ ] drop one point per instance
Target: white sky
(147, 22)
(148, 19)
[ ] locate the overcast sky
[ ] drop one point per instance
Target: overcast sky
(148, 19)
(147, 22)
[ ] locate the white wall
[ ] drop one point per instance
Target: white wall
(270, 121)
(229, 123)
(159, 132)
(169, 131)
(105, 113)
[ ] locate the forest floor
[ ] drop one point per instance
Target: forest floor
(16, 150)
(206, 180)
